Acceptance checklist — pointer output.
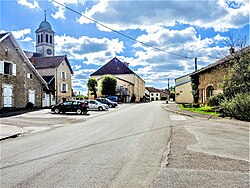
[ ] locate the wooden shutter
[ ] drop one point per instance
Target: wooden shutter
(67, 87)
(1, 67)
(14, 69)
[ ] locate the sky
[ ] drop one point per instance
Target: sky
(182, 29)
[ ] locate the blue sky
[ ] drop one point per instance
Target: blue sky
(188, 28)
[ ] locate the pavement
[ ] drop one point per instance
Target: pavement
(10, 131)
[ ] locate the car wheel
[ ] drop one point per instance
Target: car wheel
(79, 111)
(110, 106)
(100, 108)
(57, 111)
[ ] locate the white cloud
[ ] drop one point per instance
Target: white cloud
(92, 50)
(60, 12)
(26, 3)
(122, 15)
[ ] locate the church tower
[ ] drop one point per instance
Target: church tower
(45, 39)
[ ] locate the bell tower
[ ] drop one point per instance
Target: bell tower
(45, 39)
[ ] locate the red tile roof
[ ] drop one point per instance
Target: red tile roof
(153, 90)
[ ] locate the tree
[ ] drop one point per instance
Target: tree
(109, 85)
(92, 84)
(238, 80)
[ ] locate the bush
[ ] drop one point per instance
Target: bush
(215, 100)
(29, 105)
(238, 107)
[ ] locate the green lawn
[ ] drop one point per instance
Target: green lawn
(202, 110)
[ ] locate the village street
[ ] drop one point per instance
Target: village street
(136, 145)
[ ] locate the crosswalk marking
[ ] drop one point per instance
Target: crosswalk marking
(177, 118)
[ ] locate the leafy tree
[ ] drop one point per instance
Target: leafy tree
(238, 80)
(109, 85)
(92, 84)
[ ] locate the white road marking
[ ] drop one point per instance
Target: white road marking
(177, 118)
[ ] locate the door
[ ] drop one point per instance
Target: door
(7, 96)
(47, 99)
(32, 96)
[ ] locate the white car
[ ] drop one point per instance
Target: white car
(95, 105)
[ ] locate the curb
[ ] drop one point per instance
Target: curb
(217, 119)
(14, 134)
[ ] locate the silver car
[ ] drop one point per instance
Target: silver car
(95, 105)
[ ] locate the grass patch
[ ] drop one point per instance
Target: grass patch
(203, 110)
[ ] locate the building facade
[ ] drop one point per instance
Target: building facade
(211, 77)
(183, 89)
(154, 94)
(20, 81)
(129, 84)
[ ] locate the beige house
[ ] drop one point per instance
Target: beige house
(57, 72)
(20, 81)
(183, 89)
(129, 84)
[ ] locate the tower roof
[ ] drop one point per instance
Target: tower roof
(44, 25)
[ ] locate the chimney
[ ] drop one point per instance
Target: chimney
(32, 59)
(126, 63)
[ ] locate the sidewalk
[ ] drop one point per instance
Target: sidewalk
(172, 107)
(9, 131)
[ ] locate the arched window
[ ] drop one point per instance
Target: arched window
(41, 37)
(50, 39)
(47, 38)
(38, 38)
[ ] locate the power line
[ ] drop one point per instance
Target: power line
(120, 33)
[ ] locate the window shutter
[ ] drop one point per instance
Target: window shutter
(61, 86)
(28, 75)
(1, 67)
(61, 75)
(14, 69)
(65, 75)
(67, 87)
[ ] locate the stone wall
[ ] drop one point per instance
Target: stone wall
(213, 77)
(20, 83)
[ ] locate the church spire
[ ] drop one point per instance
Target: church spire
(45, 15)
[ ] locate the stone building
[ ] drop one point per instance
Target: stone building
(56, 70)
(128, 83)
(20, 81)
(211, 77)
(183, 89)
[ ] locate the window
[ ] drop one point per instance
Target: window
(7, 68)
(41, 37)
(156, 94)
(63, 75)
(50, 39)
(29, 75)
(64, 88)
(38, 38)
(152, 94)
(47, 38)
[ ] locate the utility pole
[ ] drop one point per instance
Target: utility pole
(168, 84)
(195, 64)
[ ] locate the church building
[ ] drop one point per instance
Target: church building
(54, 69)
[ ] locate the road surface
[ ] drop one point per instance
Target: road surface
(142, 145)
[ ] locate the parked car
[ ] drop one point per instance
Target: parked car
(112, 98)
(108, 102)
(95, 105)
(80, 107)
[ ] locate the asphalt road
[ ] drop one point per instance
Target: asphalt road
(141, 145)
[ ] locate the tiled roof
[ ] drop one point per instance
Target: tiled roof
(114, 66)
(221, 61)
(152, 89)
(49, 62)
